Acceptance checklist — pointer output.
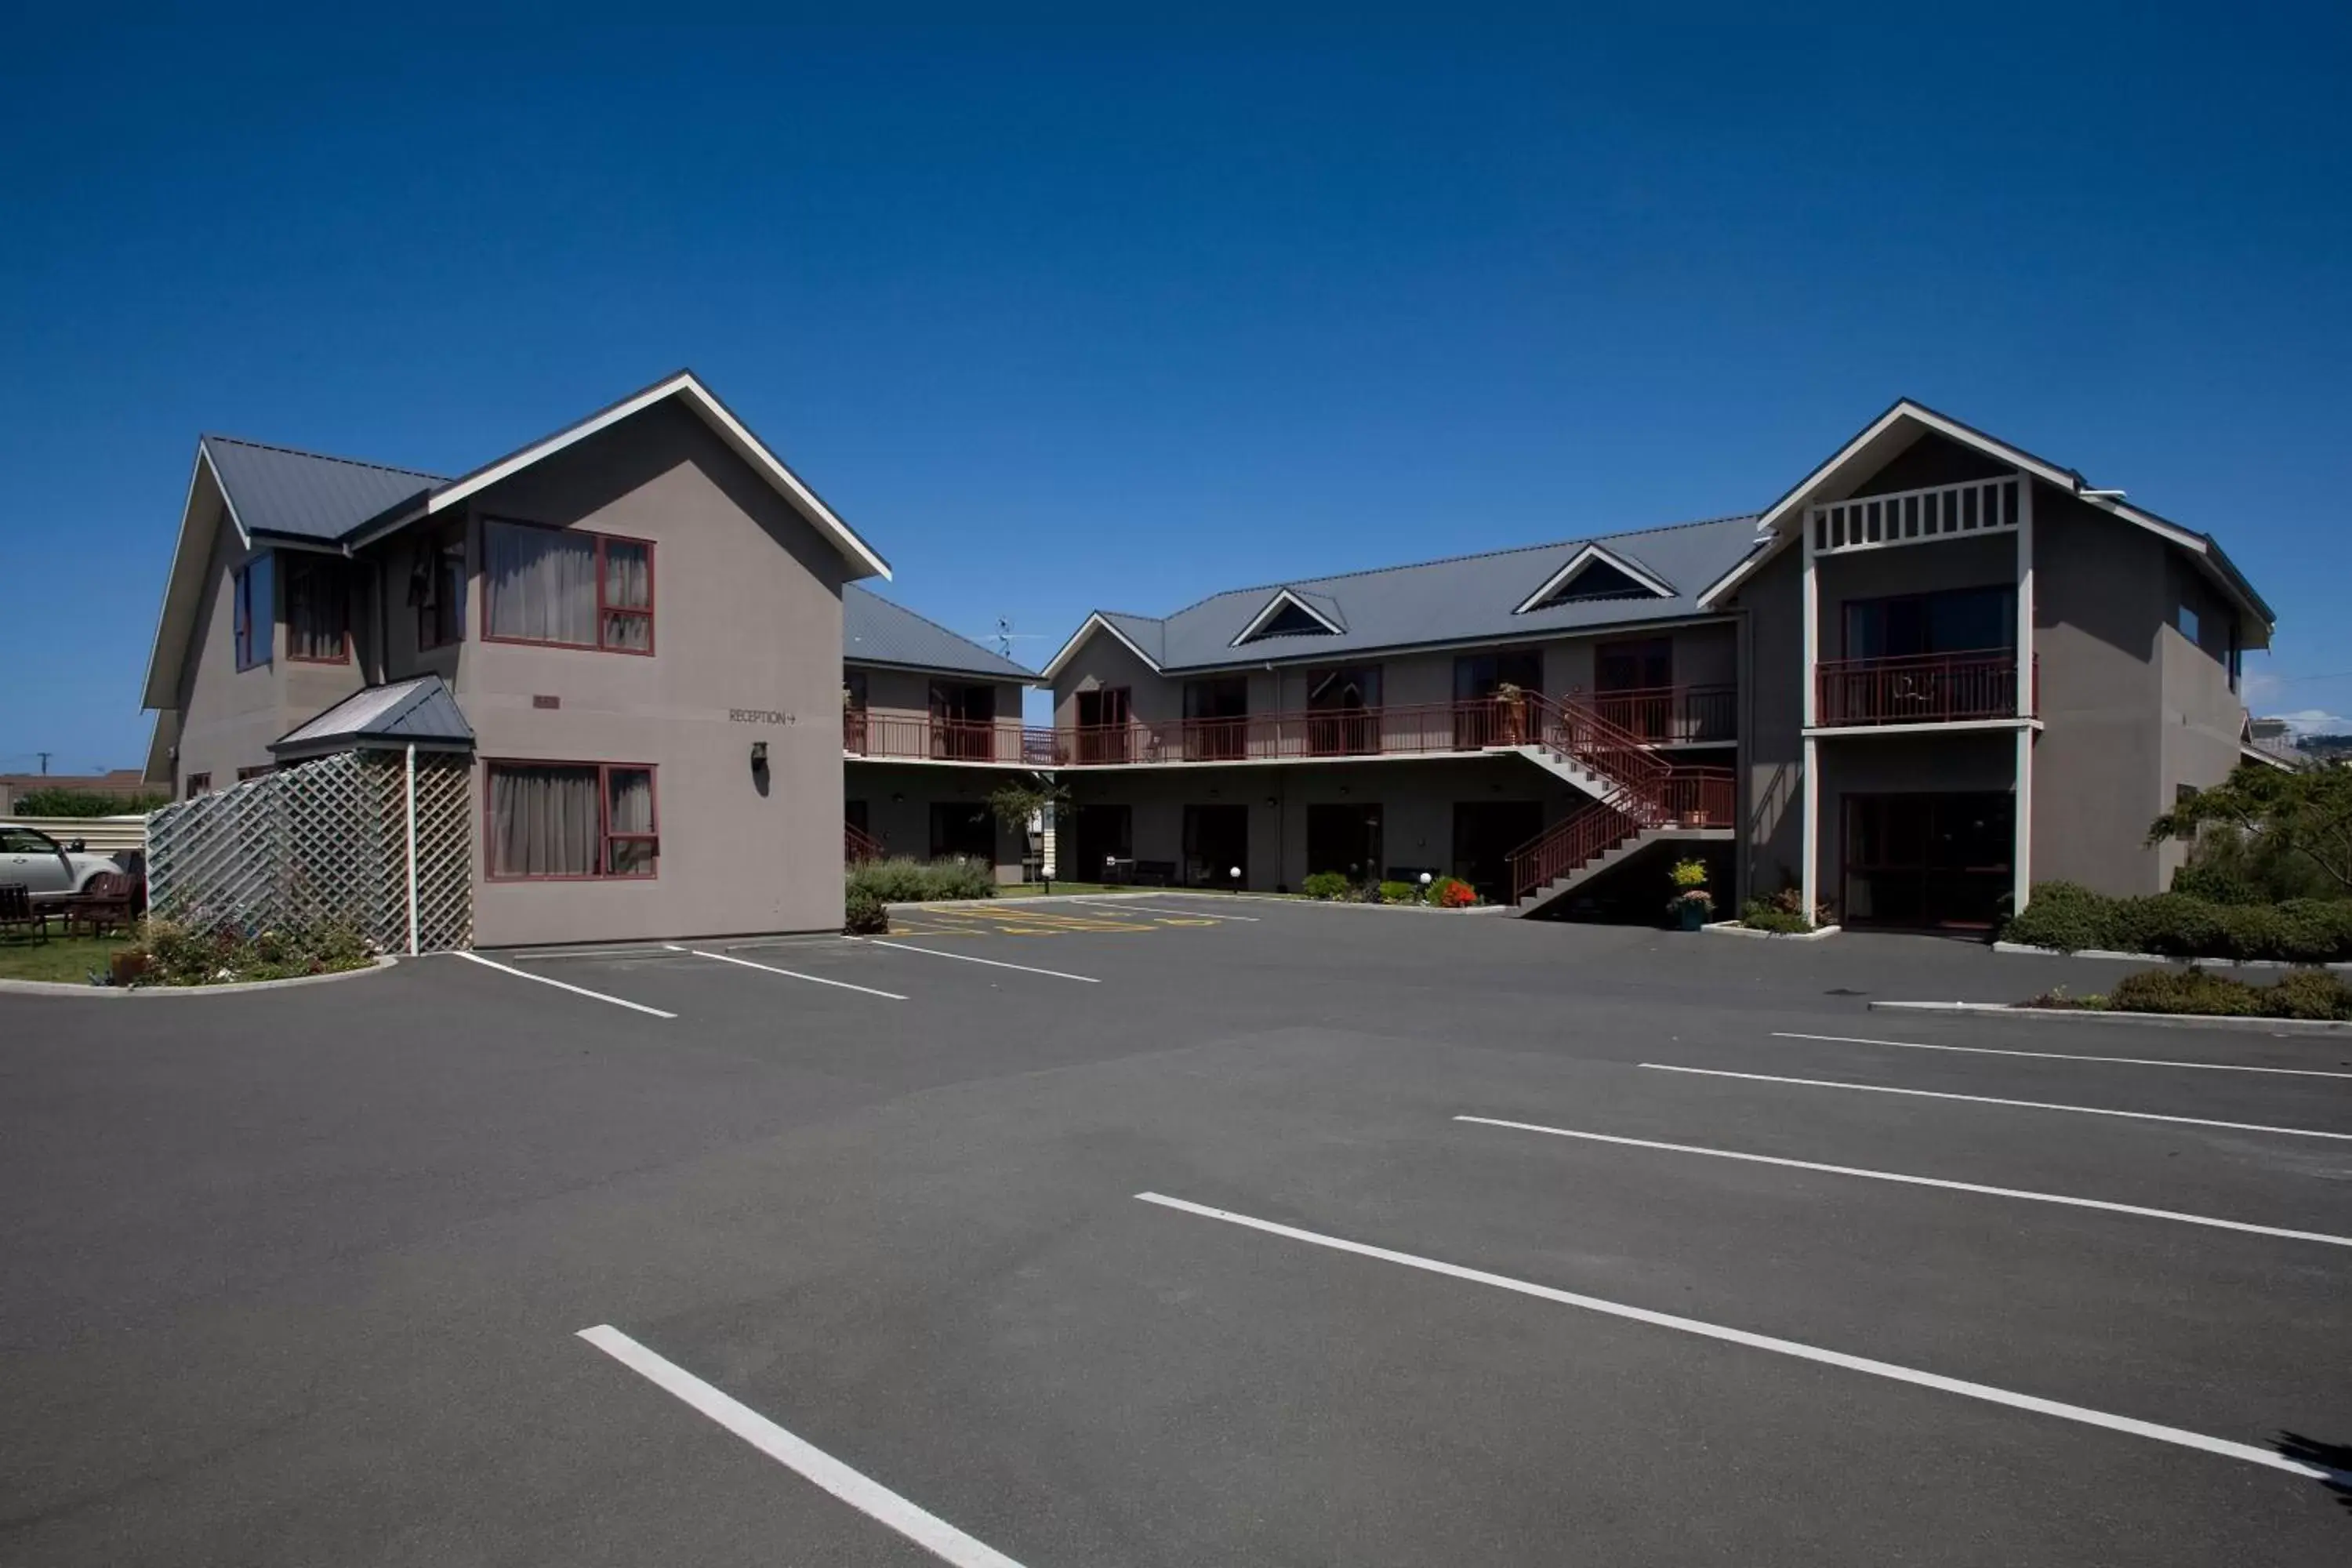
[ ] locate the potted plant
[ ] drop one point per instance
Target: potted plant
(1511, 715)
(1691, 903)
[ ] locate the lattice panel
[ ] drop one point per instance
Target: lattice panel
(324, 839)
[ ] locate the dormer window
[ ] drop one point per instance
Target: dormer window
(1594, 573)
(1287, 615)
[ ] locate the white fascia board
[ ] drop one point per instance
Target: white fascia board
(1752, 564)
(160, 679)
(1584, 558)
(1093, 624)
(714, 414)
(1992, 448)
(1283, 598)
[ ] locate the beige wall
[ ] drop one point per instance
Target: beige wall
(228, 716)
(748, 616)
(1772, 720)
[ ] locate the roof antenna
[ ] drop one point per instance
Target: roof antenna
(1004, 636)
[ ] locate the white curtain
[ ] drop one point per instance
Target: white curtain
(629, 808)
(542, 584)
(629, 586)
(543, 820)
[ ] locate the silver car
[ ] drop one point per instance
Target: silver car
(52, 870)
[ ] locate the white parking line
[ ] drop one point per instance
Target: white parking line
(2317, 1235)
(1187, 914)
(1989, 1099)
(564, 985)
(869, 1497)
(968, 958)
(2063, 1055)
(2132, 1425)
(787, 973)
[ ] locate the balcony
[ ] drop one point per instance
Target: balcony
(914, 737)
(1396, 730)
(1672, 715)
(1917, 689)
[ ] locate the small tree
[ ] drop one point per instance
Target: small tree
(1014, 804)
(2305, 815)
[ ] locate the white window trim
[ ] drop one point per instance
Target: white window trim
(1582, 560)
(1284, 598)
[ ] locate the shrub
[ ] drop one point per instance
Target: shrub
(901, 880)
(2063, 915)
(1400, 893)
(2217, 883)
(1452, 894)
(863, 914)
(2302, 993)
(1762, 915)
(68, 802)
(1688, 874)
(2177, 925)
(1325, 885)
(197, 951)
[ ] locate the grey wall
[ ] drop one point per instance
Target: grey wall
(1772, 757)
(748, 616)
(898, 799)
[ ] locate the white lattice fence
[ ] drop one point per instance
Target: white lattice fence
(324, 840)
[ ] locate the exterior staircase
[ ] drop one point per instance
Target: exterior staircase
(1641, 799)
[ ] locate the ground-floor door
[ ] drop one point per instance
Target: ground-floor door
(1484, 834)
(1216, 842)
(1345, 838)
(963, 827)
(1922, 860)
(1096, 834)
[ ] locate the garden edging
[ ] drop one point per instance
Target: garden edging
(2029, 950)
(66, 988)
(2097, 1015)
(1733, 928)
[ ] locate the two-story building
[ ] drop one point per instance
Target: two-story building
(1936, 667)
(632, 630)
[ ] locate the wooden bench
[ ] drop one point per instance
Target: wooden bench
(18, 912)
(111, 902)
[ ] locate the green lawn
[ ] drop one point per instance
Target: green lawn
(64, 958)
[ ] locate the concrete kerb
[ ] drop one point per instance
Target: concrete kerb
(64, 988)
(1733, 928)
(1206, 897)
(2029, 950)
(2099, 1015)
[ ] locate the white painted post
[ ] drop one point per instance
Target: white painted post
(2022, 857)
(412, 849)
(1808, 876)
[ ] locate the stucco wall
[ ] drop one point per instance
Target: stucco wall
(228, 716)
(899, 801)
(1772, 757)
(748, 617)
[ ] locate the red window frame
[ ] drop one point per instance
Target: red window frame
(604, 834)
(602, 607)
(436, 545)
(331, 569)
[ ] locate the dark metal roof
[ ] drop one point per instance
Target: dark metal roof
(875, 631)
(1468, 598)
(303, 495)
(421, 712)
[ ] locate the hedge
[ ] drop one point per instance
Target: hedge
(1325, 885)
(2299, 993)
(901, 880)
(2069, 917)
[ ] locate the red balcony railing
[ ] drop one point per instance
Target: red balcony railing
(1917, 689)
(918, 736)
(1672, 715)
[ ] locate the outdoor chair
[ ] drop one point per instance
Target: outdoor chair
(18, 912)
(109, 903)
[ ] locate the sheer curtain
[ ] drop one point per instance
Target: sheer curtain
(628, 590)
(543, 821)
(542, 584)
(629, 810)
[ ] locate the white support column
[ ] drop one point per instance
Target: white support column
(412, 849)
(2022, 857)
(1808, 876)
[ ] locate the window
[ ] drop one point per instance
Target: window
(2186, 619)
(1216, 718)
(26, 841)
(255, 616)
(436, 587)
(1103, 733)
(246, 775)
(962, 828)
(567, 587)
(199, 784)
(1960, 620)
(572, 820)
(1343, 709)
(963, 720)
(318, 610)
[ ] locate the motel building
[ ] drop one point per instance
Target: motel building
(1936, 670)
(632, 638)
(638, 651)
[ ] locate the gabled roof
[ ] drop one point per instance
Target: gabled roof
(1894, 431)
(1621, 577)
(280, 492)
(875, 631)
(420, 712)
(1293, 612)
(279, 495)
(1466, 599)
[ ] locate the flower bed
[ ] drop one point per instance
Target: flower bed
(191, 951)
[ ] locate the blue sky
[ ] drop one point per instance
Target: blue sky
(1067, 311)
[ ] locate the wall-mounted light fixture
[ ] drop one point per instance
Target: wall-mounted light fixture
(759, 757)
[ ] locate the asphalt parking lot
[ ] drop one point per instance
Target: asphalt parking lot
(1171, 1230)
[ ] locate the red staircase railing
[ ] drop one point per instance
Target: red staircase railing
(857, 845)
(1646, 792)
